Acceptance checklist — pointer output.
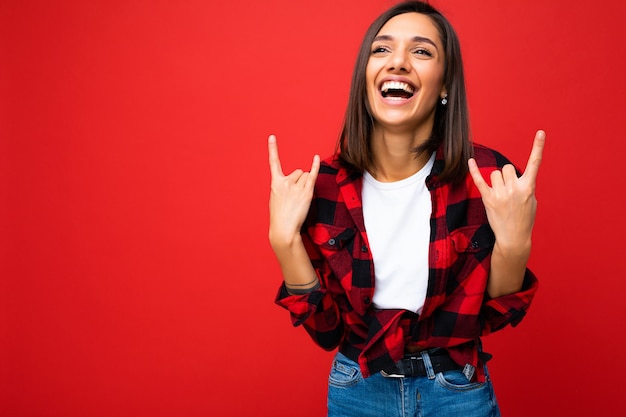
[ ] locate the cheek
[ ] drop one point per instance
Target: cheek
(371, 102)
(370, 76)
(431, 69)
(439, 76)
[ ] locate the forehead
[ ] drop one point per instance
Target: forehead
(409, 25)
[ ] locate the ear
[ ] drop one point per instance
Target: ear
(444, 92)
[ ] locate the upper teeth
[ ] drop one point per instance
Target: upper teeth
(397, 85)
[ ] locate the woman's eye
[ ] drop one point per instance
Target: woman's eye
(379, 49)
(423, 51)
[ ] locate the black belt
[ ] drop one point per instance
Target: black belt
(413, 364)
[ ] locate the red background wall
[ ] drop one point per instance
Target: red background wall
(136, 277)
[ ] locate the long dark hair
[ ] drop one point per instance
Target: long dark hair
(451, 125)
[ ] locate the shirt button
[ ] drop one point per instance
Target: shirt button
(366, 300)
(475, 244)
(363, 248)
(331, 242)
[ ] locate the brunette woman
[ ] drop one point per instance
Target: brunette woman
(396, 250)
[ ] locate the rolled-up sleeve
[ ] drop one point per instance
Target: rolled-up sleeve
(317, 313)
(510, 308)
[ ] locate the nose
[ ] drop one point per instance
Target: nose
(398, 61)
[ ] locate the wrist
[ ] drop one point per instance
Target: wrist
(508, 267)
(284, 243)
(302, 289)
(513, 250)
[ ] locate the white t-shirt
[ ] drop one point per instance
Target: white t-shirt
(397, 221)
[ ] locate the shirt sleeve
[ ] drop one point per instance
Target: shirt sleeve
(510, 308)
(316, 311)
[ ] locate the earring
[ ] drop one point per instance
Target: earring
(444, 100)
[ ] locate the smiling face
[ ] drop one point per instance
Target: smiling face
(405, 73)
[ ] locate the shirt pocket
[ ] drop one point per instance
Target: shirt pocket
(331, 239)
(469, 268)
(336, 245)
(472, 239)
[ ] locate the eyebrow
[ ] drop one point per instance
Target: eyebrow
(414, 39)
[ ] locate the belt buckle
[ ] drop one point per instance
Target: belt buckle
(386, 375)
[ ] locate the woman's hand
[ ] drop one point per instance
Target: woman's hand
(511, 207)
(290, 198)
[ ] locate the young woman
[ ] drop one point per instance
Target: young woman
(396, 249)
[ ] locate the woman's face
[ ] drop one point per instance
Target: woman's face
(404, 74)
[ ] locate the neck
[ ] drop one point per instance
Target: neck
(394, 159)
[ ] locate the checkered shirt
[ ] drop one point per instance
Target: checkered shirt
(457, 310)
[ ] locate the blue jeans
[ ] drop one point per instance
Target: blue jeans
(445, 394)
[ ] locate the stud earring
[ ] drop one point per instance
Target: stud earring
(444, 100)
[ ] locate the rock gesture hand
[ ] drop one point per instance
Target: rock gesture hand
(290, 197)
(510, 201)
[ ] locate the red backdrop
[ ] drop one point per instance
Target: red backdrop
(136, 277)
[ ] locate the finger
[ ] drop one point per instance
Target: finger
(315, 169)
(275, 167)
(536, 154)
(479, 181)
(509, 174)
(296, 175)
(496, 179)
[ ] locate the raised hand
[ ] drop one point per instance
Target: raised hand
(290, 198)
(510, 201)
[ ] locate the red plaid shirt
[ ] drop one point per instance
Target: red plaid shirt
(457, 309)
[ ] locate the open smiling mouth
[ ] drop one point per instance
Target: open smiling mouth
(397, 90)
